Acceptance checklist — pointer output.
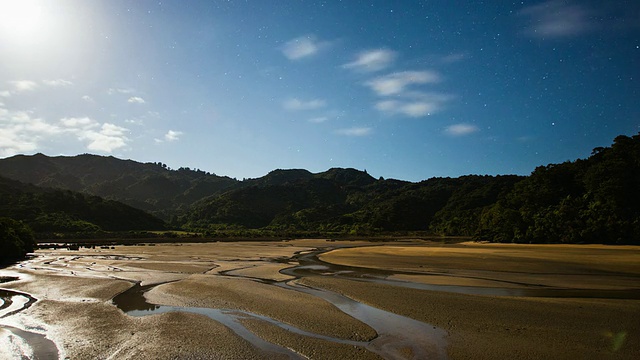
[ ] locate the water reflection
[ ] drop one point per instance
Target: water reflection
(311, 265)
(133, 300)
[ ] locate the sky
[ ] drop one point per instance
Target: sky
(403, 89)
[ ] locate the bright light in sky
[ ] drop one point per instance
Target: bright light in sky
(22, 21)
(406, 90)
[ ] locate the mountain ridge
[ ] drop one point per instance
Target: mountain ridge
(586, 200)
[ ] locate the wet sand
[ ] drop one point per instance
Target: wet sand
(75, 289)
(494, 327)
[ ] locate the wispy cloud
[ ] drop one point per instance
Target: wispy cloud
(112, 91)
(76, 124)
(22, 131)
(415, 104)
(398, 82)
(372, 60)
(57, 83)
(172, 135)
(453, 58)
(557, 19)
(355, 131)
(461, 129)
(302, 47)
(295, 104)
(318, 120)
(23, 85)
(136, 100)
(88, 98)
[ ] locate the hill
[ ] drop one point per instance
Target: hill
(586, 200)
(48, 210)
(148, 186)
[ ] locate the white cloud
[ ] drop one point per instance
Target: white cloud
(318, 120)
(302, 47)
(57, 83)
(23, 85)
(453, 58)
(355, 131)
(372, 60)
(397, 82)
(110, 137)
(414, 104)
(294, 104)
(21, 131)
(172, 135)
(88, 98)
(136, 100)
(556, 19)
(461, 129)
(112, 91)
(136, 121)
(78, 123)
(5, 93)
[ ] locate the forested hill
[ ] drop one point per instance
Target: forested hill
(149, 186)
(594, 200)
(63, 211)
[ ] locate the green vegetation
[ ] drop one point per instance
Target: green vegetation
(595, 200)
(49, 211)
(16, 240)
(152, 187)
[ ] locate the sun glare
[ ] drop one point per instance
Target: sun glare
(22, 20)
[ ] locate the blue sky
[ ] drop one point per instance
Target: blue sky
(404, 89)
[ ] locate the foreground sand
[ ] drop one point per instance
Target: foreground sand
(75, 289)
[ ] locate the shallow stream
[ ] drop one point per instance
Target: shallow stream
(397, 334)
(30, 343)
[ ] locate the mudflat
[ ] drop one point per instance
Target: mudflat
(318, 299)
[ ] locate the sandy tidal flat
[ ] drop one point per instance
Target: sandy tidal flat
(264, 300)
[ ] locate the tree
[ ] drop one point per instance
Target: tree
(16, 240)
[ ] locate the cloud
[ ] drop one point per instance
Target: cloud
(110, 137)
(136, 100)
(355, 131)
(461, 129)
(294, 104)
(302, 47)
(453, 58)
(23, 85)
(318, 120)
(57, 83)
(556, 19)
(172, 135)
(414, 104)
(21, 131)
(112, 91)
(397, 82)
(78, 123)
(5, 93)
(372, 60)
(88, 98)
